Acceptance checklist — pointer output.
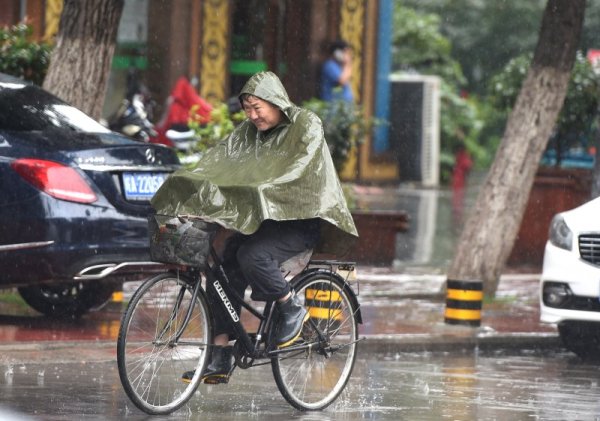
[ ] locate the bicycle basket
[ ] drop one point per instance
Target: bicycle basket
(180, 241)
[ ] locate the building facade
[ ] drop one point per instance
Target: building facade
(220, 43)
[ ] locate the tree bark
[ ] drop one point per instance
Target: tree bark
(80, 62)
(490, 231)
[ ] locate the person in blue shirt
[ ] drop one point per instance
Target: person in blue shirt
(337, 72)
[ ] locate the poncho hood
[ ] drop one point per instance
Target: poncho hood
(267, 86)
(284, 173)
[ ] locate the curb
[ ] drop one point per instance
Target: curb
(91, 351)
(385, 344)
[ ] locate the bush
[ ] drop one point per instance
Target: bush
(576, 124)
(345, 126)
(21, 57)
(460, 124)
(221, 123)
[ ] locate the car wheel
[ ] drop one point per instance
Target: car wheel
(66, 299)
(582, 338)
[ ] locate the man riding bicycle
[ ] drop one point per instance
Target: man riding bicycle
(272, 182)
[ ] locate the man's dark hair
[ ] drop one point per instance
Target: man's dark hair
(339, 44)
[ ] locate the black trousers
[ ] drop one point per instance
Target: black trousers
(255, 259)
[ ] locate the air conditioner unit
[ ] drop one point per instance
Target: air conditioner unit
(414, 132)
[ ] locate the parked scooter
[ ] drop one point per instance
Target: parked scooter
(182, 137)
(131, 118)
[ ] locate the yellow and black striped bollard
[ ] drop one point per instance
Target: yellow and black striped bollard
(463, 302)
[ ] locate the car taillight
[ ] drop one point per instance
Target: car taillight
(58, 180)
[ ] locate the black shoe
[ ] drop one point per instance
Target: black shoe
(218, 369)
(188, 376)
(292, 315)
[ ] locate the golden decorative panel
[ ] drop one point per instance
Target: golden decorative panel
(352, 15)
(213, 61)
(52, 19)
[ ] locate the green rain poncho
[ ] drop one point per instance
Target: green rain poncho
(285, 173)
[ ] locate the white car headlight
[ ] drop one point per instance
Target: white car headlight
(560, 234)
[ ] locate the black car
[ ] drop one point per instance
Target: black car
(74, 200)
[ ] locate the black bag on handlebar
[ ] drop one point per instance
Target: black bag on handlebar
(180, 241)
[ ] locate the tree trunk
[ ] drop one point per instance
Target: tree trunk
(492, 226)
(80, 62)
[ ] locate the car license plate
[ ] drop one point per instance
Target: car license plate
(142, 185)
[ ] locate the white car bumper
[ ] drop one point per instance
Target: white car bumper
(566, 268)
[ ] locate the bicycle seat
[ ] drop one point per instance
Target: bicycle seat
(296, 264)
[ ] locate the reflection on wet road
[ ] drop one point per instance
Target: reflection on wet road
(424, 386)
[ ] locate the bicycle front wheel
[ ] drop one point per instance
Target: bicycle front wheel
(154, 347)
(312, 378)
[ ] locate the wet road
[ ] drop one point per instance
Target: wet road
(526, 385)
(83, 383)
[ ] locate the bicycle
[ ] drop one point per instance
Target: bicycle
(166, 330)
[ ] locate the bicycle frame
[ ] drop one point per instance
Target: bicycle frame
(227, 296)
(186, 319)
(147, 361)
(221, 285)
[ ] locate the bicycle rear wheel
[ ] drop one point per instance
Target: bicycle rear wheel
(151, 357)
(312, 379)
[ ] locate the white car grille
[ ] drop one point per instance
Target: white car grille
(589, 248)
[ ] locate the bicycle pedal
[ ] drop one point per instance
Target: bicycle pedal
(219, 379)
(294, 342)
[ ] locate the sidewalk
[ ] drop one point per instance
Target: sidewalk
(402, 305)
(402, 312)
(405, 312)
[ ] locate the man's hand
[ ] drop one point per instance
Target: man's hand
(220, 240)
(348, 56)
(346, 67)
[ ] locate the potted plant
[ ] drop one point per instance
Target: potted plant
(563, 180)
(577, 122)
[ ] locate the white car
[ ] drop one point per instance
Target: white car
(570, 283)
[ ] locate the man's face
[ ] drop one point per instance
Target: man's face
(262, 114)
